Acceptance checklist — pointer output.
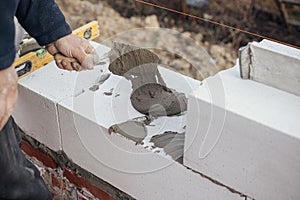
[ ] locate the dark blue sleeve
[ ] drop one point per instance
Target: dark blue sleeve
(7, 32)
(43, 20)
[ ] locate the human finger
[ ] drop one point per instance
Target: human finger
(59, 64)
(52, 49)
(67, 65)
(89, 49)
(76, 66)
(86, 60)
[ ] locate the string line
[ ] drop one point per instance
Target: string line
(216, 23)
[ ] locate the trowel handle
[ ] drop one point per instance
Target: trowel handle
(73, 61)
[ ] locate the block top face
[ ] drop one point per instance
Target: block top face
(57, 84)
(99, 95)
(266, 105)
(279, 48)
(106, 104)
(110, 103)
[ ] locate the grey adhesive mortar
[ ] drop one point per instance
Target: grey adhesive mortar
(133, 130)
(150, 96)
(158, 100)
(150, 93)
(172, 143)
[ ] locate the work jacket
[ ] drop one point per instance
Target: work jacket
(42, 19)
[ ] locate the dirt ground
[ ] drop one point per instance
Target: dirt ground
(222, 45)
(261, 17)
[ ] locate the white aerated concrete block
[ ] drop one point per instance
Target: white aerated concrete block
(273, 64)
(132, 168)
(64, 111)
(245, 135)
(141, 173)
(37, 116)
(39, 93)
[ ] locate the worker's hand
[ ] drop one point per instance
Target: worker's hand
(74, 47)
(8, 93)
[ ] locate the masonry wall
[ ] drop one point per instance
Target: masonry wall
(66, 180)
(89, 161)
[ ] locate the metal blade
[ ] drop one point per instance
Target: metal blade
(101, 59)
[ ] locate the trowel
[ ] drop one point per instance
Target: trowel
(97, 59)
(32, 56)
(150, 94)
(124, 56)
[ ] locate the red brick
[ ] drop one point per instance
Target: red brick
(55, 182)
(82, 197)
(33, 152)
(81, 182)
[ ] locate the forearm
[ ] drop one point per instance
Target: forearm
(8, 93)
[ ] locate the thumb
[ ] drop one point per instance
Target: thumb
(86, 60)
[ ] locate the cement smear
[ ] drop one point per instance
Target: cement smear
(158, 100)
(150, 94)
(172, 143)
(125, 57)
(147, 120)
(99, 81)
(133, 130)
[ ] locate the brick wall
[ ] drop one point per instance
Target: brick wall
(66, 182)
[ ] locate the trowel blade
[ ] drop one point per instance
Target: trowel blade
(100, 59)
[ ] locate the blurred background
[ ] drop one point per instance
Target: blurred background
(277, 19)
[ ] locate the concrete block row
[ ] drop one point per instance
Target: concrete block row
(242, 137)
(272, 64)
(65, 112)
(246, 135)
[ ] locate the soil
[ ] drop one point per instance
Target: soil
(262, 17)
(221, 44)
(112, 23)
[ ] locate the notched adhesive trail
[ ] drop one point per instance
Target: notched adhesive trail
(150, 94)
(172, 143)
(133, 130)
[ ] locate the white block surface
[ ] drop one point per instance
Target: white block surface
(273, 64)
(58, 109)
(245, 135)
(37, 116)
(85, 120)
(39, 93)
(133, 169)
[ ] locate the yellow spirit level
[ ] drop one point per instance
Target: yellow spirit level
(37, 59)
